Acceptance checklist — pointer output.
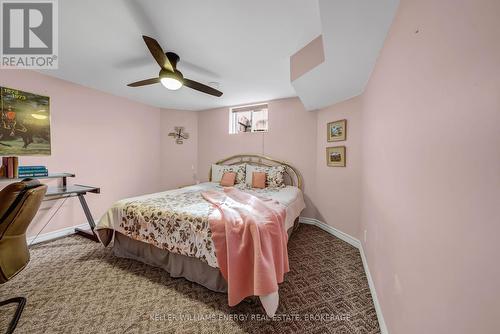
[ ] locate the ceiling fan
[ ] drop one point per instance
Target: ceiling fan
(169, 76)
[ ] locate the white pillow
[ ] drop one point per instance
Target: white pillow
(217, 172)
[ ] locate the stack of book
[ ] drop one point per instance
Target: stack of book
(9, 167)
(32, 171)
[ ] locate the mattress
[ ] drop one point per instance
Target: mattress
(177, 220)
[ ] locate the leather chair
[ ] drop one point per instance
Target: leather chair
(19, 202)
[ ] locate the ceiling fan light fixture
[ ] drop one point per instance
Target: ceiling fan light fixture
(171, 80)
(169, 76)
(171, 83)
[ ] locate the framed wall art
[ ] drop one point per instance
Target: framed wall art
(24, 123)
(335, 156)
(336, 131)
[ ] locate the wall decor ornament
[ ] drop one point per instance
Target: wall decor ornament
(179, 134)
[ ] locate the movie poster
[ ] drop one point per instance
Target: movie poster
(24, 123)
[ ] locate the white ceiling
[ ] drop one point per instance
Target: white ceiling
(353, 32)
(245, 45)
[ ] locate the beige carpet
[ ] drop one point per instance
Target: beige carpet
(76, 286)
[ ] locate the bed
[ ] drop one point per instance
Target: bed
(171, 229)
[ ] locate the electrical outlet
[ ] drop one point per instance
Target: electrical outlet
(364, 236)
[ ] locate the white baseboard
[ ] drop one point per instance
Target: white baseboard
(54, 234)
(356, 243)
(332, 230)
(378, 309)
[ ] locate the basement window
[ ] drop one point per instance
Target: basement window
(248, 119)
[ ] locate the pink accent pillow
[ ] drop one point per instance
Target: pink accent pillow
(228, 179)
(259, 180)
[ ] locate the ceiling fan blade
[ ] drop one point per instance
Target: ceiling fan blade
(201, 87)
(144, 82)
(158, 54)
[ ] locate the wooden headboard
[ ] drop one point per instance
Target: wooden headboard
(292, 175)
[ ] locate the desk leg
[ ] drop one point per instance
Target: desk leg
(90, 234)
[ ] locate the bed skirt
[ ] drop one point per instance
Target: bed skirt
(176, 265)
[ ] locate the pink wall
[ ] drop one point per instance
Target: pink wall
(291, 137)
(423, 179)
(338, 189)
(106, 141)
(178, 161)
(307, 58)
(431, 168)
(297, 136)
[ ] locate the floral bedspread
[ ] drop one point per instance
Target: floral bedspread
(176, 220)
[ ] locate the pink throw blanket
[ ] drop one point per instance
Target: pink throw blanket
(250, 242)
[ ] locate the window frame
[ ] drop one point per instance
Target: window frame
(252, 108)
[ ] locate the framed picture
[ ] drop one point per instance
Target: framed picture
(335, 156)
(336, 131)
(24, 123)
